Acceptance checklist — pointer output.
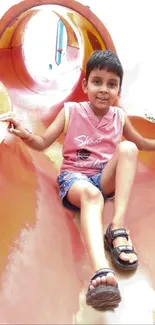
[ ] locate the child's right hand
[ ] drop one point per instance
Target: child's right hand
(16, 128)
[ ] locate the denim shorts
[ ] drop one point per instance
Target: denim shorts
(67, 179)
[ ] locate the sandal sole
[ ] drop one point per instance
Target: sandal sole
(103, 297)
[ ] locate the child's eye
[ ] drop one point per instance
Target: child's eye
(112, 84)
(97, 82)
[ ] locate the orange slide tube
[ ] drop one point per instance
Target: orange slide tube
(44, 269)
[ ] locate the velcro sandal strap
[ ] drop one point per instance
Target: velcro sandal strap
(120, 232)
(102, 272)
(123, 249)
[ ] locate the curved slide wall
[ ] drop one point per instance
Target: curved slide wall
(44, 270)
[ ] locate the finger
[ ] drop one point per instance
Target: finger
(4, 123)
(11, 125)
(11, 120)
(14, 131)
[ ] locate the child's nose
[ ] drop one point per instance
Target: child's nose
(103, 88)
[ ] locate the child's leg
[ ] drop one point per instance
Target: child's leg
(89, 199)
(118, 176)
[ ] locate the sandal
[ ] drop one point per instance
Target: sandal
(116, 251)
(103, 297)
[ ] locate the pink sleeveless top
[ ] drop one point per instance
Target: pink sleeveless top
(89, 142)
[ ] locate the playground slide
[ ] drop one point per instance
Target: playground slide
(44, 270)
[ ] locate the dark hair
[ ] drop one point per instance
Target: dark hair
(106, 60)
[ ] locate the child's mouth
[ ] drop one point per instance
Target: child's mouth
(103, 100)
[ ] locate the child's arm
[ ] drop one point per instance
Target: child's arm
(130, 134)
(36, 142)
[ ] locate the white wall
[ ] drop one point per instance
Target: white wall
(131, 24)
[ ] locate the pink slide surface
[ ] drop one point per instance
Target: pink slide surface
(44, 269)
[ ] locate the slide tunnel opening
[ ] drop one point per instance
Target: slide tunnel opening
(43, 69)
(50, 59)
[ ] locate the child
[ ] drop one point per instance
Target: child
(96, 164)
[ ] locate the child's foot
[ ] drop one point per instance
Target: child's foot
(103, 292)
(119, 241)
(108, 280)
(123, 254)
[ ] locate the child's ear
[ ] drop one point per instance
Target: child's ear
(117, 100)
(84, 85)
(119, 93)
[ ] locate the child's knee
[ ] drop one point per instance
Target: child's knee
(128, 148)
(92, 194)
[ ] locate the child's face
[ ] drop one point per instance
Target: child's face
(102, 88)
